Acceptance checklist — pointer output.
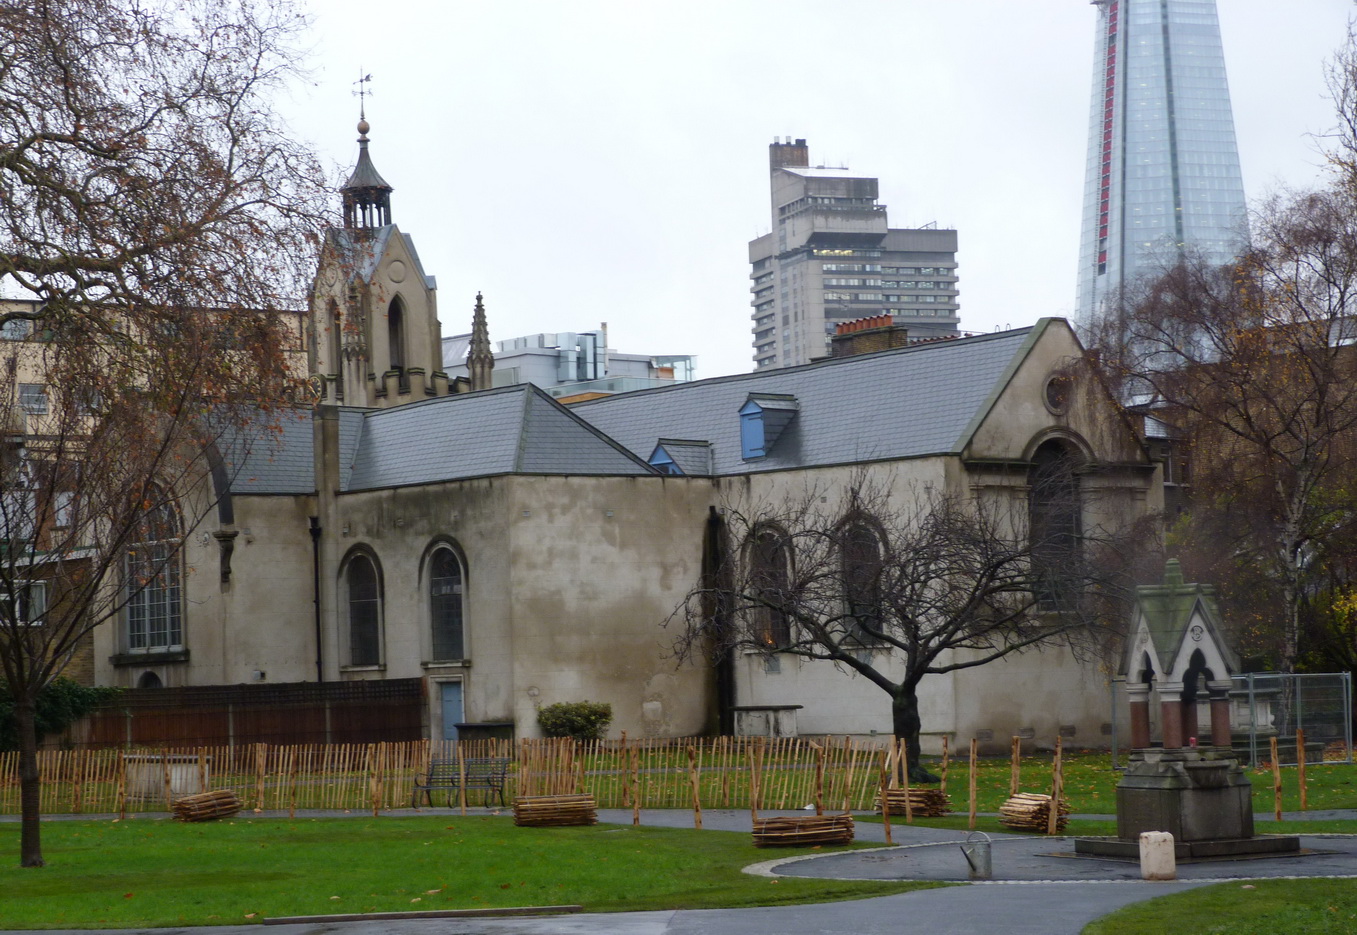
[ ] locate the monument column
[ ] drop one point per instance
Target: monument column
(1220, 713)
(1139, 695)
(1171, 711)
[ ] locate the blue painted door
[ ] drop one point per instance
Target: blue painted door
(451, 697)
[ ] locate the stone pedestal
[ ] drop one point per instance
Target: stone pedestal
(1194, 795)
(1202, 797)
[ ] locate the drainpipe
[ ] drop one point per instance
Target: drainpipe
(315, 592)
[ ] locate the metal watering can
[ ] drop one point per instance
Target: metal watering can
(978, 851)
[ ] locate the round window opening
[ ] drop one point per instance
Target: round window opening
(1058, 393)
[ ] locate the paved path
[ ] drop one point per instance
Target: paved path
(1039, 889)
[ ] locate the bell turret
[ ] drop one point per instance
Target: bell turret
(367, 196)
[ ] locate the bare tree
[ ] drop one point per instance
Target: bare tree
(1254, 364)
(158, 229)
(898, 591)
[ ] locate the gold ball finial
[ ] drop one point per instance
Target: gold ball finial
(363, 126)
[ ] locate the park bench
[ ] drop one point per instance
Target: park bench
(485, 773)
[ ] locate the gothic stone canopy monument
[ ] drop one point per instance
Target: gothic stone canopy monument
(1193, 789)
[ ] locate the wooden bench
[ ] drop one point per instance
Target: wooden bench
(486, 773)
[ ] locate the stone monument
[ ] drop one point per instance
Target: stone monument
(1196, 791)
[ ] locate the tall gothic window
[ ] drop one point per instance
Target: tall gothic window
(395, 334)
(365, 611)
(1055, 521)
(151, 578)
(860, 552)
(446, 605)
(770, 574)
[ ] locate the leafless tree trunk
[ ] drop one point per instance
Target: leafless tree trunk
(158, 230)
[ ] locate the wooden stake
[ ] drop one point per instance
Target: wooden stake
(1300, 765)
(725, 772)
(904, 774)
(971, 782)
(1057, 790)
(291, 783)
(752, 753)
(635, 784)
(819, 778)
(122, 785)
(1015, 768)
(461, 779)
(693, 780)
(946, 760)
(259, 776)
(1276, 782)
(885, 798)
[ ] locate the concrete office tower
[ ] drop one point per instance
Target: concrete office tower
(831, 258)
(1163, 168)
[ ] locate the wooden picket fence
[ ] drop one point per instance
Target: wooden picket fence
(698, 772)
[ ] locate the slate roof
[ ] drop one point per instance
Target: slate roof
(924, 399)
(513, 430)
(1167, 609)
(272, 460)
(692, 457)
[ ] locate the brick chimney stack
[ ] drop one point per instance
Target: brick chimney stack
(866, 335)
(787, 154)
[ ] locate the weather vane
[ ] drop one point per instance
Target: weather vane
(362, 93)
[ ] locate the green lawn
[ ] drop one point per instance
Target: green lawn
(1264, 907)
(161, 873)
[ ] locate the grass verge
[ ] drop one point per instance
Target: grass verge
(158, 873)
(1263, 907)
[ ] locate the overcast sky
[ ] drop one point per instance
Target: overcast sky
(583, 161)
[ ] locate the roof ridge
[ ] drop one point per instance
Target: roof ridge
(922, 347)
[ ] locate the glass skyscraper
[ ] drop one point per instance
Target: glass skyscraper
(1163, 169)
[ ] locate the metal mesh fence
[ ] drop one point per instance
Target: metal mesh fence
(1269, 704)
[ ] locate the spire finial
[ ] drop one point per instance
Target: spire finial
(480, 360)
(362, 93)
(366, 195)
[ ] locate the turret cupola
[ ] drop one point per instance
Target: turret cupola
(367, 196)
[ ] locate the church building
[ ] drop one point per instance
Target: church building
(506, 552)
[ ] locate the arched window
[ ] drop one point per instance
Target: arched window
(1055, 521)
(334, 347)
(860, 553)
(395, 336)
(364, 599)
(151, 579)
(770, 580)
(446, 605)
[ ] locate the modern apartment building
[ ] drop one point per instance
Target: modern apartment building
(831, 257)
(1163, 168)
(571, 365)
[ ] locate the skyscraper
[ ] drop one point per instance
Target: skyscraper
(1163, 169)
(831, 257)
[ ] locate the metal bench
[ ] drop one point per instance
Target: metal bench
(486, 773)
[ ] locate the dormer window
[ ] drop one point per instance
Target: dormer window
(664, 462)
(762, 420)
(682, 456)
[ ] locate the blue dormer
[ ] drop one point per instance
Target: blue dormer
(682, 456)
(661, 459)
(762, 419)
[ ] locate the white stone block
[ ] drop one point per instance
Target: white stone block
(1156, 856)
